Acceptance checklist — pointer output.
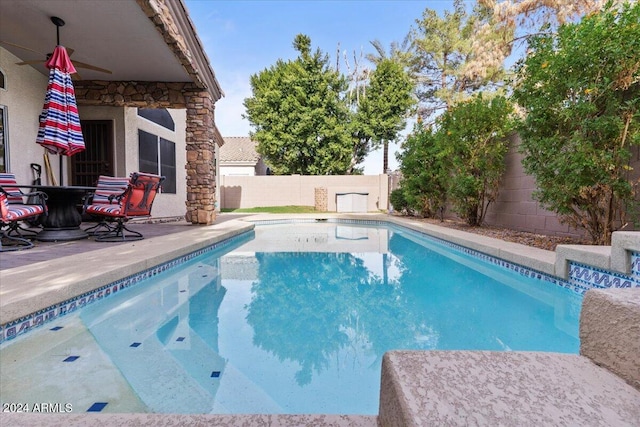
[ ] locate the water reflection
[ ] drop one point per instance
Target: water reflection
(300, 332)
(306, 307)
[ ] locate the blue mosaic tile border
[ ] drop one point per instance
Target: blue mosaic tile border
(520, 269)
(320, 220)
(592, 277)
(581, 277)
(25, 324)
(635, 265)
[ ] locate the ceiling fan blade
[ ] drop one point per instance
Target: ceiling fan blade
(21, 47)
(33, 61)
(79, 64)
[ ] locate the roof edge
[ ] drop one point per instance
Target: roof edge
(172, 20)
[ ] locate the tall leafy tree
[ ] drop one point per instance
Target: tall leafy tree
(510, 23)
(460, 159)
(300, 117)
(398, 52)
(441, 46)
(473, 134)
(383, 111)
(425, 171)
(580, 91)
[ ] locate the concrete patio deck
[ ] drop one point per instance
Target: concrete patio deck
(49, 251)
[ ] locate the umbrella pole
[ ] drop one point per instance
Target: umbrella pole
(61, 179)
(47, 165)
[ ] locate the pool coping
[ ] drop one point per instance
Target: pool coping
(32, 288)
(179, 420)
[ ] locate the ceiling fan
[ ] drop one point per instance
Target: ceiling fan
(58, 22)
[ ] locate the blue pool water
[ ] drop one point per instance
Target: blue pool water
(297, 320)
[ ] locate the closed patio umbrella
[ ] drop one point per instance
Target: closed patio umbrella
(60, 132)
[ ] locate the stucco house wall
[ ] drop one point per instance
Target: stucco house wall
(23, 96)
(165, 204)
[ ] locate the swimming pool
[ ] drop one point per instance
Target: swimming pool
(295, 320)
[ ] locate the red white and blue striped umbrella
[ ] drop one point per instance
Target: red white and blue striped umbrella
(60, 130)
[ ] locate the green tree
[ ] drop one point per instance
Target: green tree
(382, 112)
(425, 171)
(397, 52)
(580, 91)
(473, 134)
(300, 118)
(441, 46)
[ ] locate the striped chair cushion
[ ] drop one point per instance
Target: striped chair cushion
(8, 183)
(105, 210)
(109, 186)
(15, 212)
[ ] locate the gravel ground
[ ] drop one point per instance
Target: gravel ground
(530, 239)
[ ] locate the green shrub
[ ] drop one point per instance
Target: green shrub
(581, 94)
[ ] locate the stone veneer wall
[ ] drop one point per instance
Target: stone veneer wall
(201, 174)
(132, 94)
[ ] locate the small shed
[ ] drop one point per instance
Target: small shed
(351, 202)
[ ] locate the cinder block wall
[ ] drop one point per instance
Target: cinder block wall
(515, 207)
(299, 190)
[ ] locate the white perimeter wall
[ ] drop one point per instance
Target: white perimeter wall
(299, 190)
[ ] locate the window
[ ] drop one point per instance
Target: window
(4, 140)
(158, 156)
(3, 84)
(159, 116)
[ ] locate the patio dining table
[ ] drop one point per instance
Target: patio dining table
(62, 222)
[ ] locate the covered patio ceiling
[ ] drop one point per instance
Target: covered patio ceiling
(114, 35)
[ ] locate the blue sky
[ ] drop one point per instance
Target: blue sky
(242, 38)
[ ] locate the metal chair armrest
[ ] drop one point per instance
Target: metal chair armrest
(87, 199)
(118, 197)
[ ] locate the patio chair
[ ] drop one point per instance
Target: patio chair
(10, 216)
(135, 201)
(107, 186)
(10, 186)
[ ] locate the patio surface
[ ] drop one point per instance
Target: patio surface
(48, 251)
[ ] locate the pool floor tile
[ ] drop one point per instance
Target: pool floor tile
(97, 407)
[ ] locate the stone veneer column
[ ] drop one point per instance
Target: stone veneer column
(321, 199)
(201, 174)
